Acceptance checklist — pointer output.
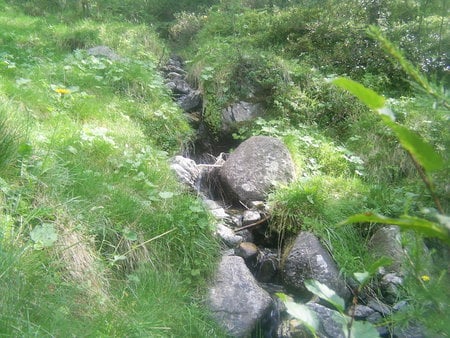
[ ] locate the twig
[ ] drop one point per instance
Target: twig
(252, 225)
(148, 241)
(210, 165)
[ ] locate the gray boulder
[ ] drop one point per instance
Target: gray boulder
(186, 169)
(308, 259)
(329, 325)
(254, 168)
(104, 51)
(191, 101)
(240, 112)
(386, 241)
(235, 299)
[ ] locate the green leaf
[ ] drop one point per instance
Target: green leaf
(422, 151)
(363, 330)
(383, 261)
(369, 97)
(119, 258)
(282, 296)
(196, 208)
(165, 194)
(303, 314)
(130, 234)
(25, 149)
(423, 226)
(44, 235)
(362, 277)
(195, 272)
(324, 292)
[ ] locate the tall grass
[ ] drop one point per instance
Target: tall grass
(97, 237)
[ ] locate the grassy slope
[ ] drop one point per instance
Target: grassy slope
(90, 165)
(347, 161)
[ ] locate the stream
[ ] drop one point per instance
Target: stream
(251, 272)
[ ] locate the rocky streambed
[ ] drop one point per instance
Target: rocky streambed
(255, 263)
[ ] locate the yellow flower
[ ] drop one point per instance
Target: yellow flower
(425, 278)
(62, 91)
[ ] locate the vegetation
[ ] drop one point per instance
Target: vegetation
(97, 238)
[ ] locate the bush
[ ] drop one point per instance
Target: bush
(186, 26)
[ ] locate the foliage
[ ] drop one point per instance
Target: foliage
(92, 219)
(423, 155)
(186, 26)
(301, 312)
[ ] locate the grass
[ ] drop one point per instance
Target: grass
(133, 248)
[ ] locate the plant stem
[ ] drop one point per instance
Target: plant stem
(428, 183)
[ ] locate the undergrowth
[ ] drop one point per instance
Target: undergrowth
(97, 237)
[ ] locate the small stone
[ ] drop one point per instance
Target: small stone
(361, 311)
(248, 251)
(391, 278)
(389, 286)
(228, 236)
(191, 101)
(413, 330)
(250, 217)
(383, 331)
(211, 205)
(267, 266)
(374, 318)
(219, 213)
(258, 205)
(379, 307)
(400, 305)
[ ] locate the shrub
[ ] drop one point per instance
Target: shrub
(186, 26)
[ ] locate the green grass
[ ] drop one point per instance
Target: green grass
(133, 247)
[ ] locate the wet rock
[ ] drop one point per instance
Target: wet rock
(248, 251)
(267, 266)
(191, 101)
(219, 213)
(254, 168)
(186, 169)
(308, 259)
(228, 236)
(236, 300)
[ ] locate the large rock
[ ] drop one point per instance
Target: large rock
(187, 170)
(240, 112)
(191, 101)
(308, 259)
(386, 241)
(236, 300)
(104, 51)
(254, 168)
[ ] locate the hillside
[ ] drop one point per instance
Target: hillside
(99, 238)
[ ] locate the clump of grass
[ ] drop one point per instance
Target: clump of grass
(319, 204)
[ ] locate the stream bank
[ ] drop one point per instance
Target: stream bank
(256, 263)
